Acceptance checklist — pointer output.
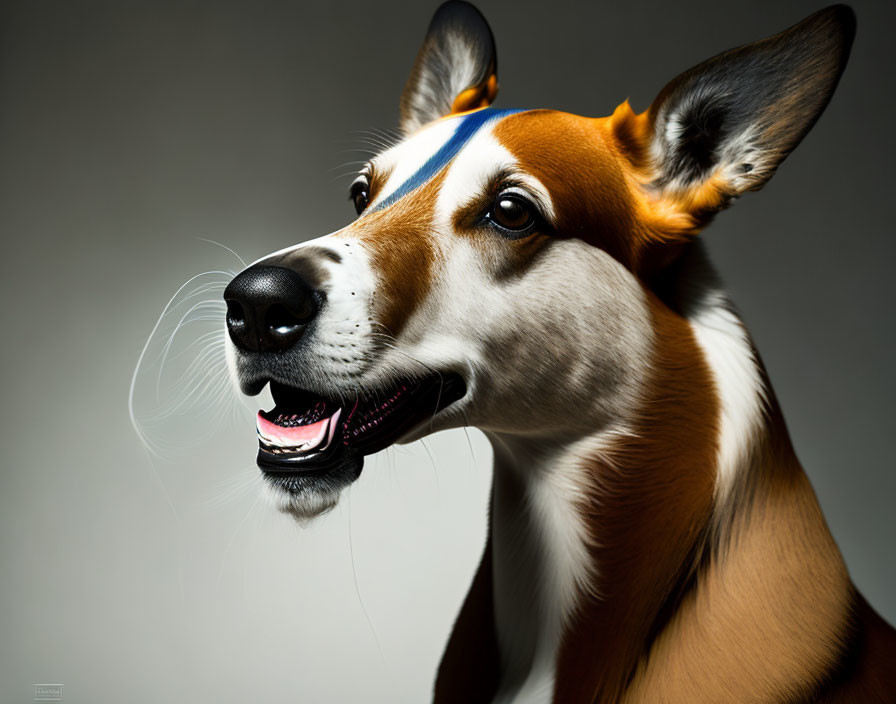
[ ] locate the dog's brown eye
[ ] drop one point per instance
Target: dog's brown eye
(512, 213)
(359, 194)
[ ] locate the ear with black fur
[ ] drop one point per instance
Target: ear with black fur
(730, 121)
(455, 70)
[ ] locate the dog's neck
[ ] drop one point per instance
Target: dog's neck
(665, 535)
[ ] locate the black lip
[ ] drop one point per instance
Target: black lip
(351, 442)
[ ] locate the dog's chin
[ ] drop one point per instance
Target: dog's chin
(303, 508)
(307, 496)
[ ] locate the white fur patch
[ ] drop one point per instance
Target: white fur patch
(542, 563)
(472, 170)
(725, 343)
(405, 159)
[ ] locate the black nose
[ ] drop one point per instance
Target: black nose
(268, 308)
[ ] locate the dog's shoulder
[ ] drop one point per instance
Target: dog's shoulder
(866, 671)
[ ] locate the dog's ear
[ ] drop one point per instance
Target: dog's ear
(724, 126)
(455, 70)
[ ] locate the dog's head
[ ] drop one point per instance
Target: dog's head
(501, 268)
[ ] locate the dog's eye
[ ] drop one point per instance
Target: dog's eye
(511, 212)
(359, 193)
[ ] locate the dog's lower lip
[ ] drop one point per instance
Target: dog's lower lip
(306, 433)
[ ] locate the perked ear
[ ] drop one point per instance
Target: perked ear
(725, 126)
(455, 70)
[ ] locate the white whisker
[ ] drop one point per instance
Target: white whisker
(202, 305)
(351, 550)
(144, 440)
(224, 246)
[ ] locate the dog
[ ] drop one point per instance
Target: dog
(539, 275)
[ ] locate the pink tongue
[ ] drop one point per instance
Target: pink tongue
(299, 435)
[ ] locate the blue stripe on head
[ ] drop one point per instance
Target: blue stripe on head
(465, 130)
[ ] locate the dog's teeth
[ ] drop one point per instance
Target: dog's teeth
(289, 436)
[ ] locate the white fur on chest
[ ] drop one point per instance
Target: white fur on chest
(541, 565)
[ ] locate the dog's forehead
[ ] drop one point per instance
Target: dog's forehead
(556, 154)
(417, 159)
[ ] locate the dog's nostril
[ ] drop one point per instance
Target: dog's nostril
(236, 316)
(281, 322)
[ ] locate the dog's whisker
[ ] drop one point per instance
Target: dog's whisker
(343, 176)
(365, 151)
(144, 440)
(233, 487)
(435, 469)
(368, 136)
(207, 302)
(355, 163)
(374, 144)
(201, 340)
(205, 360)
(201, 291)
(466, 425)
(378, 144)
(205, 374)
(202, 288)
(351, 549)
(216, 337)
(185, 320)
(203, 311)
(208, 360)
(206, 367)
(187, 404)
(230, 543)
(224, 246)
(385, 138)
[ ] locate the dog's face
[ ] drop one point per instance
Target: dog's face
(498, 274)
(460, 298)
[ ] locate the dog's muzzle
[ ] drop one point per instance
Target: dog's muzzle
(271, 311)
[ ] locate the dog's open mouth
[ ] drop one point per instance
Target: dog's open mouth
(305, 432)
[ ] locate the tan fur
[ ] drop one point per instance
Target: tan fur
(400, 242)
(770, 613)
(619, 212)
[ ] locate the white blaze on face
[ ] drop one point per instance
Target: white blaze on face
(407, 157)
(476, 166)
(470, 174)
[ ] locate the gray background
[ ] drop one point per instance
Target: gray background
(129, 129)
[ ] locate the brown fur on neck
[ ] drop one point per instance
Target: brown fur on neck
(649, 518)
(768, 615)
(700, 596)
(702, 600)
